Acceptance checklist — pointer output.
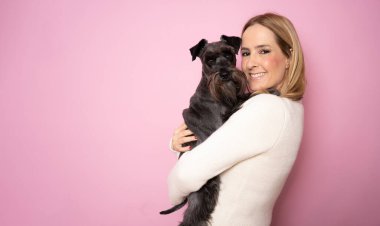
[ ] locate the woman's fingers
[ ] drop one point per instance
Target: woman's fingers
(187, 139)
(178, 142)
(183, 149)
(185, 133)
(181, 136)
(180, 128)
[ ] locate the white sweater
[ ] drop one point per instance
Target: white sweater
(253, 152)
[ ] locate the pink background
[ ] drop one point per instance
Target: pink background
(91, 91)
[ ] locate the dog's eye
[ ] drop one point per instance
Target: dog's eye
(228, 56)
(210, 61)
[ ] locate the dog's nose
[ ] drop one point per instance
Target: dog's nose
(224, 74)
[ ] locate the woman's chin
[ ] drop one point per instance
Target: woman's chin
(258, 87)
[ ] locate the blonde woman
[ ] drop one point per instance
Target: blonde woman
(255, 149)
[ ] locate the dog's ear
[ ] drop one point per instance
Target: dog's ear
(232, 41)
(196, 50)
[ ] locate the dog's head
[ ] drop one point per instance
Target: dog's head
(226, 83)
(216, 57)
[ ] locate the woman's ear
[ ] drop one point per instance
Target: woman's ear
(288, 59)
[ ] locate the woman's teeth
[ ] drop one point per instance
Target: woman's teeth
(257, 75)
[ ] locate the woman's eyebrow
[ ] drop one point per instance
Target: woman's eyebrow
(256, 47)
(261, 46)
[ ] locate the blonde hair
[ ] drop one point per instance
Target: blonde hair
(294, 83)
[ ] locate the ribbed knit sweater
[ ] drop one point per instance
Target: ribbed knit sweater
(253, 152)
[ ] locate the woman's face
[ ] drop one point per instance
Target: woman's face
(262, 59)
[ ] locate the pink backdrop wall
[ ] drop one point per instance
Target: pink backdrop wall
(91, 91)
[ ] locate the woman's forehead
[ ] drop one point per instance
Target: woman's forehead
(256, 35)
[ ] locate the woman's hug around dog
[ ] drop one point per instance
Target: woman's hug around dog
(252, 153)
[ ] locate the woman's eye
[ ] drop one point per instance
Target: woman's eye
(245, 54)
(264, 51)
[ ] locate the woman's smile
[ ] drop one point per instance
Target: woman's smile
(258, 75)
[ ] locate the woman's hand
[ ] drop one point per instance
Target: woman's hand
(182, 135)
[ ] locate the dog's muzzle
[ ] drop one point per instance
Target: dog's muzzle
(224, 74)
(227, 85)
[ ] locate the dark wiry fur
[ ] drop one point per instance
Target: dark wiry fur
(221, 89)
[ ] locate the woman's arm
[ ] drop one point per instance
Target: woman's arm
(251, 131)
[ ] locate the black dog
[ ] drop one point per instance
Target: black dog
(221, 90)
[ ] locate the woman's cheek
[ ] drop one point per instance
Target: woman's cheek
(274, 62)
(243, 65)
(270, 61)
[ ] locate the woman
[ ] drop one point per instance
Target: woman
(254, 151)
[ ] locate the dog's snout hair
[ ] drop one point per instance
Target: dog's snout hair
(229, 89)
(224, 74)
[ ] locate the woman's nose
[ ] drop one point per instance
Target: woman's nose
(251, 62)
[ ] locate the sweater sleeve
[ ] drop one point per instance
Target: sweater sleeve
(252, 130)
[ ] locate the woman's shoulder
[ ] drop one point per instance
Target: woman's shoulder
(270, 102)
(264, 100)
